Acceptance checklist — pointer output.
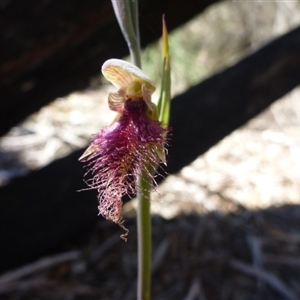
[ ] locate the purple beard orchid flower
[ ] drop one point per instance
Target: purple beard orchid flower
(133, 145)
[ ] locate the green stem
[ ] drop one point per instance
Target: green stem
(144, 240)
(127, 14)
(143, 195)
(134, 39)
(143, 226)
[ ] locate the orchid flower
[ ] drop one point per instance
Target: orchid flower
(133, 144)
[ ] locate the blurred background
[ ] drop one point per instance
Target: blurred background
(226, 226)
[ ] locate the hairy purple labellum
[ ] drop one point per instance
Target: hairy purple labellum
(120, 153)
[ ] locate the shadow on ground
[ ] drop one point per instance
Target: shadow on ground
(246, 255)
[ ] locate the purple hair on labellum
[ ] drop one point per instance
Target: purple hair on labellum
(121, 153)
(129, 148)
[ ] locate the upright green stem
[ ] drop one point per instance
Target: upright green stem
(126, 12)
(144, 240)
(143, 196)
(143, 212)
(130, 30)
(127, 15)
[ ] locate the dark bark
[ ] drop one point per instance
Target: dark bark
(52, 48)
(40, 211)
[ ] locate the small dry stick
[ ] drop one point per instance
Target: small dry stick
(195, 291)
(265, 276)
(39, 265)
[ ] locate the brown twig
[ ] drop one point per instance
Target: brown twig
(265, 276)
(39, 265)
(195, 291)
(160, 253)
(98, 252)
(283, 260)
(25, 285)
